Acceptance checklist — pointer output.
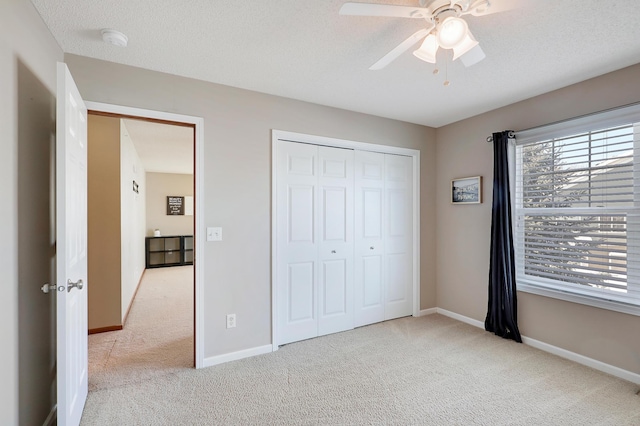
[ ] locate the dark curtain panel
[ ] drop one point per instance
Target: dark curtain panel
(502, 313)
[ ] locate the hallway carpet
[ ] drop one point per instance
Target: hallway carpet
(157, 338)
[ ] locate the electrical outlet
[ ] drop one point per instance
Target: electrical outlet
(231, 320)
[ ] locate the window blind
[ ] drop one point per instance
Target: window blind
(577, 208)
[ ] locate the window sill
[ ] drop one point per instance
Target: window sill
(610, 305)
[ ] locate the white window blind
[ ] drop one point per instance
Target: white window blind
(577, 211)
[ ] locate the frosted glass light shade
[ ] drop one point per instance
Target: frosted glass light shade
(467, 43)
(473, 56)
(428, 49)
(451, 32)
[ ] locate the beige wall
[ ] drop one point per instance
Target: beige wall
(159, 186)
(463, 231)
(28, 55)
(103, 200)
(237, 176)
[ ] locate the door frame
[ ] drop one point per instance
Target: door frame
(199, 180)
(282, 135)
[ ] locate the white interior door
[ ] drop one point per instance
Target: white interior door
(369, 242)
(71, 250)
(398, 236)
(297, 245)
(335, 298)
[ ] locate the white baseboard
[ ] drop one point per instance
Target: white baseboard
(460, 318)
(234, 356)
(52, 417)
(581, 359)
(429, 311)
(562, 353)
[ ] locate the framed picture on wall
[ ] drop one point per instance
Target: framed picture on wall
(466, 190)
(175, 205)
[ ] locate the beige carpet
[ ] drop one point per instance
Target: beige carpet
(412, 371)
(157, 338)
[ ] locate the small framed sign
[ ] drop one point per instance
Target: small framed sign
(175, 205)
(466, 190)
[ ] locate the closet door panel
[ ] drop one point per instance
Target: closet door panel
(372, 275)
(301, 300)
(297, 241)
(334, 285)
(398, 236)
(369, 251)
(335, 295)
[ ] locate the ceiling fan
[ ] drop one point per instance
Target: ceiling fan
(445, 27)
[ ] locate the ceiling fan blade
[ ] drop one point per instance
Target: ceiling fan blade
(389, 10)
(488, 7)
(473, 56)
(400, 49)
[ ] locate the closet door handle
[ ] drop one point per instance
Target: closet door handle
(371, 248)
(333, 251)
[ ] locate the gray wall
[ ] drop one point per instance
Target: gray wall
(36, 247)
(463, 231)
(28, 55)
(237, 167)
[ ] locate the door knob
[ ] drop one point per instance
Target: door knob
(71, 284)
(333, 251)
(371, 248)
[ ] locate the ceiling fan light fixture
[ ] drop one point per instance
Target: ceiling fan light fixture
(428, 49)
(451, 32)
(467, 43)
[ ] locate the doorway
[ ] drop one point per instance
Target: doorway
(189, 270)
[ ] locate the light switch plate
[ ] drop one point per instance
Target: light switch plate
(214, 234)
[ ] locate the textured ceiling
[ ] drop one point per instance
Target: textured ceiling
(162, 148)
(302, 49)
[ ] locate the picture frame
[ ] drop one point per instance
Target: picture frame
(175, 205)
(467, 190)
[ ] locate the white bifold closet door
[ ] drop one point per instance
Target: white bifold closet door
(344, 239)
(314, 241)
(383, 237)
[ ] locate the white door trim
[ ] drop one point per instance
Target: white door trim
(281, 135)
(199, 231)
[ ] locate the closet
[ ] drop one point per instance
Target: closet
(343, 239)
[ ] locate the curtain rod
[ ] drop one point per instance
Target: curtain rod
(512, 134)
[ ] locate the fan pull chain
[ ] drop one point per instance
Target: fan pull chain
(446, 71)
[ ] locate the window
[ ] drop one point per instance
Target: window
(577, 210)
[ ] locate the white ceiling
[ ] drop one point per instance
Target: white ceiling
(302, 49)
(162, 148)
